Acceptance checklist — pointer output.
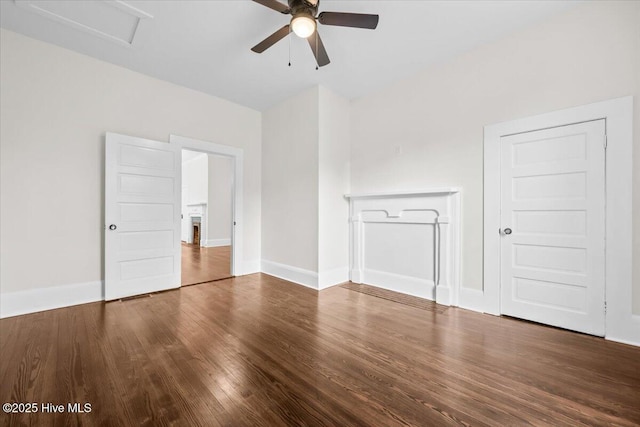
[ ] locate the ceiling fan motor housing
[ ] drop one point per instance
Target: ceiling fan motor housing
(309, 7)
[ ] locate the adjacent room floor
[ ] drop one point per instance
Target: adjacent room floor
(256, 350)
(201, 264)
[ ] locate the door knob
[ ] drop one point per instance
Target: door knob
(507, 231)
(112, 227)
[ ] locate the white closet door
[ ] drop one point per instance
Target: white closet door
(553, 226)
(142, 216)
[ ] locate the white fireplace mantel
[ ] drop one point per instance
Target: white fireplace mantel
(195, 210)
(397, 194)
(407, 242)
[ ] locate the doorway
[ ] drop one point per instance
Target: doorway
(206, 217)
(143, 212)
(615, 145)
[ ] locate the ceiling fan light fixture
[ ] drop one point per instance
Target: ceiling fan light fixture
(303, 25)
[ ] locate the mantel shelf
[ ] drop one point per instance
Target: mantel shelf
(415, 193)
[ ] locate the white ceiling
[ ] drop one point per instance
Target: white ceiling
(205, 45)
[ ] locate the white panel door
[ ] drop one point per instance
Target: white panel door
(142, 216)
(553, 226)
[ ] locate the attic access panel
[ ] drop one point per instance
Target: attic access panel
(111, 20)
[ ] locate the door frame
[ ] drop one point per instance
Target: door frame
(236, 155)
(620, 323)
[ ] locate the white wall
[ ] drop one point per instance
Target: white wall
(219, 212)
(55, 107)
(333, 184)
(305, 175)
(427, 131)
(290, 182)
(195, 176)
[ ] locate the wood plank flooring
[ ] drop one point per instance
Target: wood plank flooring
(256, 350)
(201, 265)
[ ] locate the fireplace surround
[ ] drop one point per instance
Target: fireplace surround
(407, 242)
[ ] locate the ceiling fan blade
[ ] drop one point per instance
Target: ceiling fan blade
(318, 49)
(271, 40)
(356, 20)
(275, 5)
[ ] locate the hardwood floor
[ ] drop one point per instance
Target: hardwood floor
(201, 265)
(256, 350)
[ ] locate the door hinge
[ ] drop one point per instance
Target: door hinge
(605, 142)
(605, 307)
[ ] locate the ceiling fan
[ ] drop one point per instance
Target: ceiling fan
(303, 24)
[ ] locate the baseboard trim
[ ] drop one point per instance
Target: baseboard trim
(42, 299)
(414, 286)
(214, 243)
(337, 276)
(290, 273)
(626, 330)
(623, 341)
(250, 266)
(471, 299)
